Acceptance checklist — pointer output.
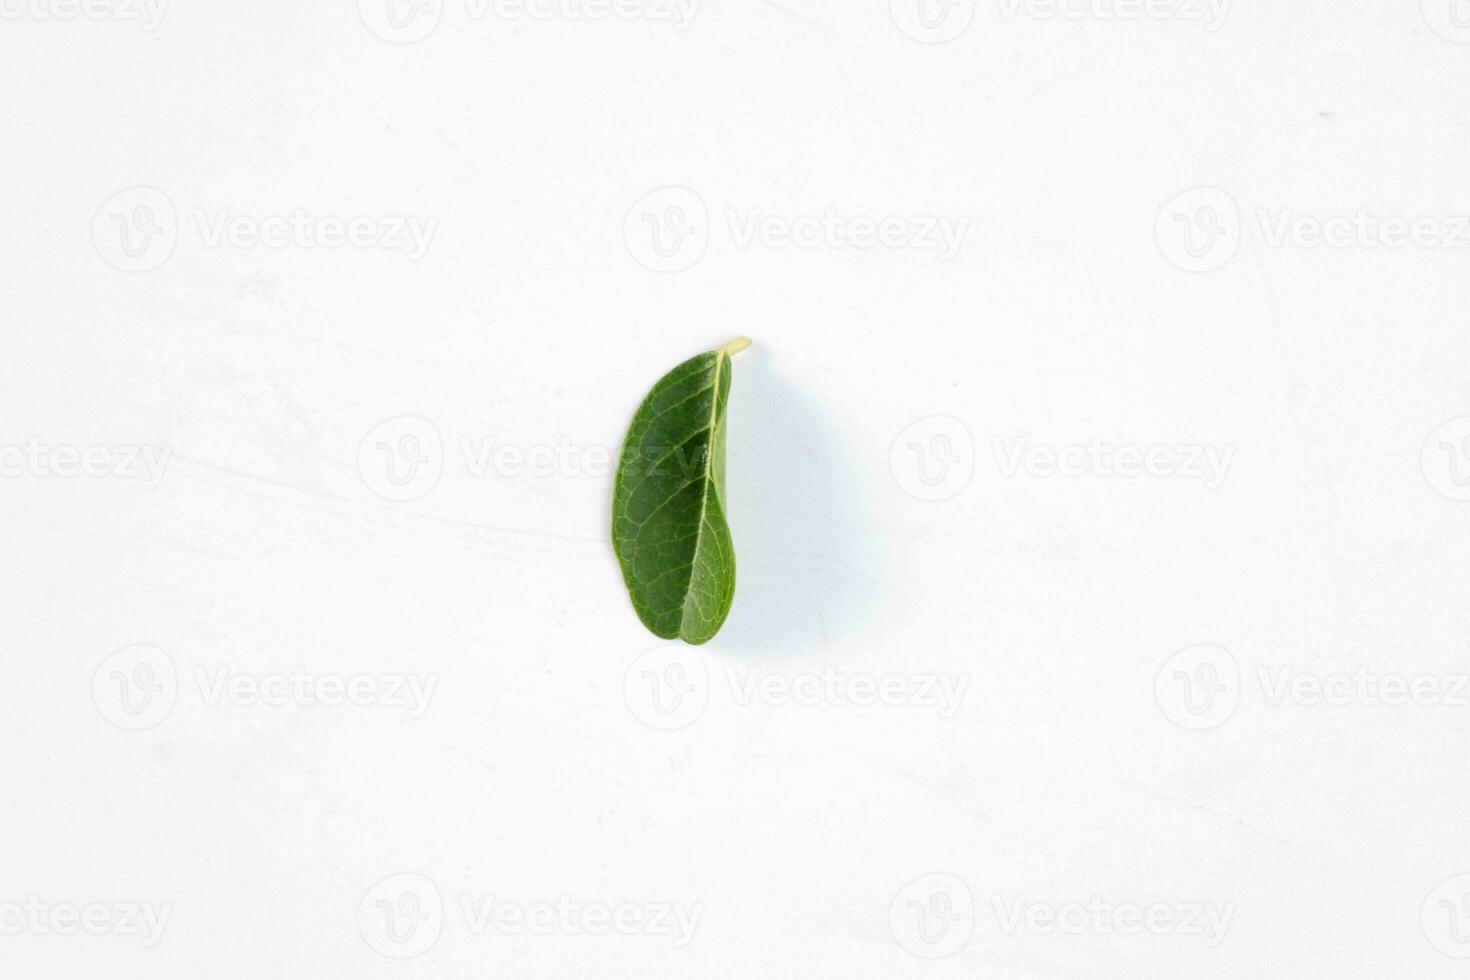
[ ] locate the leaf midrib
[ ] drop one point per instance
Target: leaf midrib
(709, 457)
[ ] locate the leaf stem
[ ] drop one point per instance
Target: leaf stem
(735, 346)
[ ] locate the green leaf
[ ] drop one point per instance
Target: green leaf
(669, 525)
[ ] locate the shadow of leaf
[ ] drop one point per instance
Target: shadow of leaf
(806, 572)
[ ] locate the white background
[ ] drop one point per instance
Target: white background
(1069, 773)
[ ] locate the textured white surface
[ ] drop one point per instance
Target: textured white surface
(537, 156)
